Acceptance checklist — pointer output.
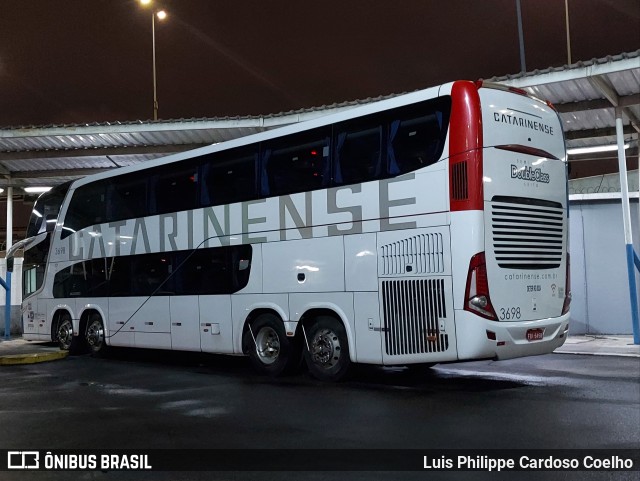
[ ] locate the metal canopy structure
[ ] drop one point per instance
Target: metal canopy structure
(51, 155)
(585, 93)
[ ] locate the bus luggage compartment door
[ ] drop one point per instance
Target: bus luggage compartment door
(417, 320)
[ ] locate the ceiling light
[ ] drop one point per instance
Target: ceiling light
(37, 190)
(594, 149)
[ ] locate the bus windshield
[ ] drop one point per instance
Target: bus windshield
(46, 210)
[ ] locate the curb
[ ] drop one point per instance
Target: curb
(586, 353)
(17, 359)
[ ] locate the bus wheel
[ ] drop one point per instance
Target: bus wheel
(94, 335)
(270, 350)
(327, 355)
(64, 332)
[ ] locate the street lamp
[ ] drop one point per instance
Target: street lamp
(161, 14)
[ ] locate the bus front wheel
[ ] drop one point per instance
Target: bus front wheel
(270, 350)
(327, 351)
(64, 332)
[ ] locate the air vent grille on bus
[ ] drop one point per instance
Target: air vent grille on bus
(459, 181)
(527, 233)
(412, 311)
(419, 254)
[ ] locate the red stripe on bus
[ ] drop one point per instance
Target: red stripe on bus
(465, 146)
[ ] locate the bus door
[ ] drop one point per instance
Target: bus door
(33, 272)
(185, 323)
(201, 323)
(216, 334)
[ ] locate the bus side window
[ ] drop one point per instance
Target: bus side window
(413, 144)
(296, 163)
(152, 274)
(357, 153)
(205, 271)
(127, 198)
(97, 278)
(175, 188)
(229, 177)
(417, 135)
(216, 270)
(88, 207)
(119, 276)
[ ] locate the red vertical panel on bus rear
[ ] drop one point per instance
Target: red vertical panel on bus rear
(465, 148)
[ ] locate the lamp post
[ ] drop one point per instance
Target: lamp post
(523, 64)
(161, 14)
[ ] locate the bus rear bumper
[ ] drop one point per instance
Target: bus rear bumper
(480, 338)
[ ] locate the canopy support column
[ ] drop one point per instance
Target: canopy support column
(626, 215)
(7, 285)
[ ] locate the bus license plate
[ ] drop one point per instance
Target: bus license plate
(535, 334)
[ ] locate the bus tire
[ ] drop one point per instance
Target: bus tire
(327, 355)
(95, 335)
(270, 351)
(64, 334)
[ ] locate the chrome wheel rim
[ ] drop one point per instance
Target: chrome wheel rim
(267, 345)
(325, 348)
(65, 334)
(95, 335)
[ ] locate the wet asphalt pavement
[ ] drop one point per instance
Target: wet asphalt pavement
(161, 400)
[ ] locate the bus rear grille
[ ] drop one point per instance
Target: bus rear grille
(527, 233)
(420, 254)
(412, 311)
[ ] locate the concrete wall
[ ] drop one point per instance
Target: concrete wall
(599, 280)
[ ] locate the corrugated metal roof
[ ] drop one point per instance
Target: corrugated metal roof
(578, 91)
(51, 154)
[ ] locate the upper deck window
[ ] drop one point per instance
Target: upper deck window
(296, 163)
(417, 135)
(229, 176)
(127, 198)
(88, 206)
(175, 188)
(358, 151)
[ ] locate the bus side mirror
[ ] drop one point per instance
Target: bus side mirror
(10, 264)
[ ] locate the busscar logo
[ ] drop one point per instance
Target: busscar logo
(23, 460)
(529, 174)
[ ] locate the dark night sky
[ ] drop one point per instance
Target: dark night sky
(73, 61)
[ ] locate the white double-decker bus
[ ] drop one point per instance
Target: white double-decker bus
(430, 227)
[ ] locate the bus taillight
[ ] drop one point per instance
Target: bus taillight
(477, 299)
(567, 287)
